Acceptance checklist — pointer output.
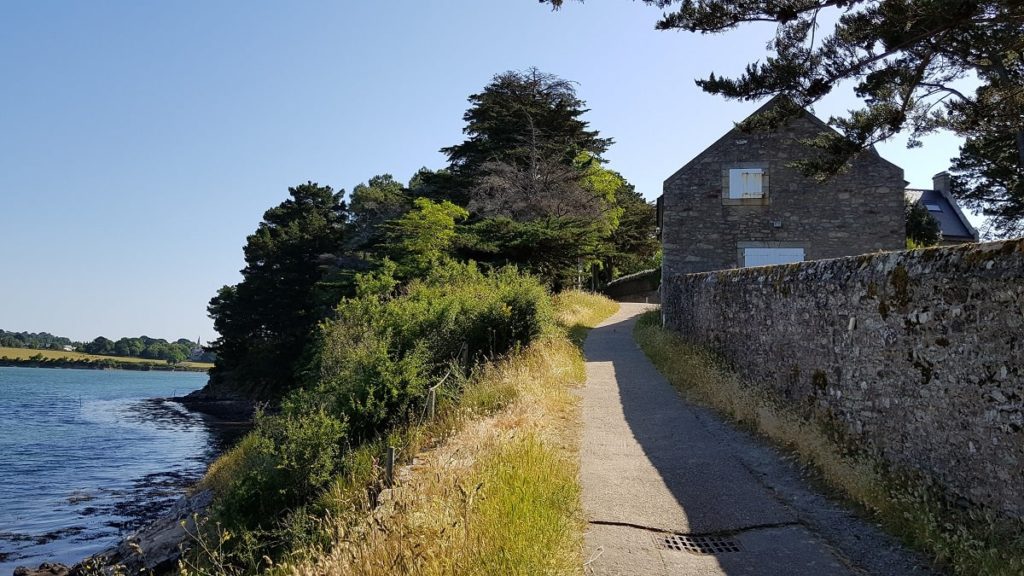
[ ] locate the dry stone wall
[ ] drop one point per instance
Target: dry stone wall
(918, 356)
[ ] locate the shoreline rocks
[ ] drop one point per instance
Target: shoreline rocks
(227, 409)
(45, 569)
(154, 549)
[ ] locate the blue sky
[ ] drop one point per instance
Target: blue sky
(142, 140)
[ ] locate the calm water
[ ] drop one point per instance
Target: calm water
(86, 456)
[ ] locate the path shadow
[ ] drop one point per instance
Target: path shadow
(714, 489)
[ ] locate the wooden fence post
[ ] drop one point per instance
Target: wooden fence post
(389, 467)
(464, 358)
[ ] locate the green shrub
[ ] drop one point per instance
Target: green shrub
(374, 361)
(367, 374)
(289, 459)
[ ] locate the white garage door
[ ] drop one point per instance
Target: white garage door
(769, 256)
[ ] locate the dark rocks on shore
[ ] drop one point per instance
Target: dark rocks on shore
(225, 408)
(154, 549)
(45, 569)
(157, 547)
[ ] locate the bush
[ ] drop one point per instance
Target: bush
(368, 370)
(288, 459)
(376, 359)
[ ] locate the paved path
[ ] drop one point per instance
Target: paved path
(655, 468)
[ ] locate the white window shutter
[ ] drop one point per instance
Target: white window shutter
(771, 256)
(745, 183)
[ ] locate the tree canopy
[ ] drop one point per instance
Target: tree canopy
(527, 187)
(530, 172)
(922, 229)
(265, 319)
(422, 238)
(371, 205)
(518, 117)
(909, 61)
(33, 340)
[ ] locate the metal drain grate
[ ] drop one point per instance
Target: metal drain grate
(697, 544)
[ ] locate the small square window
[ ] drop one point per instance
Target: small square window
(746, 183)
(933, 207)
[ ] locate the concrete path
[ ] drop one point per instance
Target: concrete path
(668, 488)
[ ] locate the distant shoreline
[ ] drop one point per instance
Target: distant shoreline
(105, 364)
(36, 358)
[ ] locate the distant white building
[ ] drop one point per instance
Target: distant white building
(69, 348)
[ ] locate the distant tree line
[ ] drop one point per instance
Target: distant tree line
(141, 347)
(38, 341)
(146, 347)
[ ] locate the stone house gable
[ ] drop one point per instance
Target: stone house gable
(738, 203)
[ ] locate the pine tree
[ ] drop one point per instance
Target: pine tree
(518, 117)
(264, 320)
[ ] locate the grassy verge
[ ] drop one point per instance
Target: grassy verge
(61, 358)
(969, 542)
(493, 488)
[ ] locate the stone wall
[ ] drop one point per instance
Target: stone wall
(918, 355)
(639, 287)
(856, 212)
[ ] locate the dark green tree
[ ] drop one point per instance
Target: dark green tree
(922, 229)
(634, 242)
(558, 249)
(100, 345)
(372, 205)
(121, 348)
(906, 60)
(434, 185)
(985, 179)
(518, 117)
(33, 340)
(264, 321)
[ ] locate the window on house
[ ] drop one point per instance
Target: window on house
(746, 183)
(771, 256)
(933, 207)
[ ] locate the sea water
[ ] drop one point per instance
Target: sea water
(88, 456)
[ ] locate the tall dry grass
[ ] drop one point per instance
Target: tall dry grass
(500, 494)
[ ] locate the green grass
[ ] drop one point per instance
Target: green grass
(525, 520)
(967, 542)
(578, 311)
(31, 354)
(494, 489)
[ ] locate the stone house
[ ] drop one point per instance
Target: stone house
(739, 204)
(941, 206)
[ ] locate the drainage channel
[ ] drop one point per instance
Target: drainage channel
(697, 544)
(702, 544)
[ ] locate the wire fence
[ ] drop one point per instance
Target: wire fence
(429, 410)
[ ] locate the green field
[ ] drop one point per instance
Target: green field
(25, 354)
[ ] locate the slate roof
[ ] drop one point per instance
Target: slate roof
(952, 222)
